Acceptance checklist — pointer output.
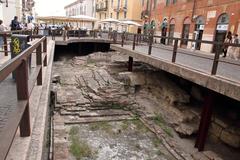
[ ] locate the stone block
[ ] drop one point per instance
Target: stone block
(230, 138)
(199, 156)
(221, 122)
(133, 79)
(212, 155)
(215, 129)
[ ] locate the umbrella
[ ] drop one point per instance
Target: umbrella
(130, 23)
(110, 20)
(84, 18)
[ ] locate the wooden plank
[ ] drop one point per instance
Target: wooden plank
(23, 94)
(8, 132)
(39, 63)
(33, 78)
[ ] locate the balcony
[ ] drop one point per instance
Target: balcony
(120, 8)
(102, 6)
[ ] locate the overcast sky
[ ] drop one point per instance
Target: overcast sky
(51, 7)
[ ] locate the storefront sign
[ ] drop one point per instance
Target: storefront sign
(201, 27)
(222, 27)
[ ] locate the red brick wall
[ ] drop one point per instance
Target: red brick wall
(184, 8)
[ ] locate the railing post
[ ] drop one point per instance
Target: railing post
(130, 64)
(174, 56)
(67, 34)
(45, 51)
(216, 59)
(150, 44)
(23, 94)
(122, 39)
(134, 42)
(5, 47)
(39, 63)
(205, 121)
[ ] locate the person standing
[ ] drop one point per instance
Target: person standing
(164, 31)
(15, 25)
(226, 41)
(2, 29)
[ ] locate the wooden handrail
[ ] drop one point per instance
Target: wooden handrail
(24, 84)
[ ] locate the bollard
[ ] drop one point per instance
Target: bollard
(5, 44)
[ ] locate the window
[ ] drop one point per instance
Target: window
(112, 3)
(118, 4)
(168, 2)
(111, 15)
(155, 4)
(117, 15)
(174, 1)
(125, 14)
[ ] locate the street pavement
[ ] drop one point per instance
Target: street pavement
(230, 71)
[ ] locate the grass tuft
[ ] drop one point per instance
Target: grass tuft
(78, 148)
(158, 120)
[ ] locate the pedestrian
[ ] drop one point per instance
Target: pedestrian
(233, 51)
(164, 31)
(15, 25)
(227, 40)
(236, 40)
(2, 29)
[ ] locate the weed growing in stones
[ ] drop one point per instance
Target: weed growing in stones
(156, 141)
(79, 148)
(158, 120)
(104, 126)
(73, 131)
(117, 106)
(125, 124)
(140, 126)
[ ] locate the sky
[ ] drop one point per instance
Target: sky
(51, 7)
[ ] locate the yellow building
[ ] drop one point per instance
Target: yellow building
(120, 10)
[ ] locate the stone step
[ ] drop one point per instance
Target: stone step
(77, 120)
(96, 113)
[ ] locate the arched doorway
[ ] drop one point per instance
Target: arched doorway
(185, 31)
(221, 29)
(198, 31)
(171, 31)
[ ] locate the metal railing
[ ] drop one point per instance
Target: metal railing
(24, 85)
(140, 39)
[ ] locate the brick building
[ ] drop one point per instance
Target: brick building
(199, 19)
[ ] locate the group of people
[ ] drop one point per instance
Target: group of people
(231, 51)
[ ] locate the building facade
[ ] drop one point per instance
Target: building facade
(24, 9)
(9, 10)
(81, 7)
(120, 10)
(198, 19)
